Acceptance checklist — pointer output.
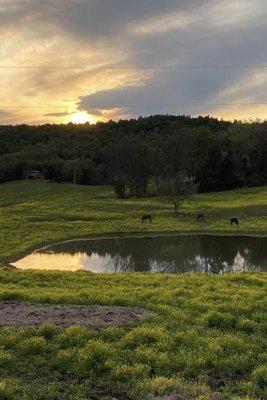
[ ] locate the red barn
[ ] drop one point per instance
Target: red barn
(36, 175)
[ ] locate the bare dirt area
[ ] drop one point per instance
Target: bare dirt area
(19, 313)
(174, 396)
(184, 395)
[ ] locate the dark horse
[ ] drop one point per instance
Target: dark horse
(146, 218)
(234, 221)
(200, 217)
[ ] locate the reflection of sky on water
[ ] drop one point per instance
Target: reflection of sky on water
(52, 261)
(95, 263)
(240, 264)
(174, 254)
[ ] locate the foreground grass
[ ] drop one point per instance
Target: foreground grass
(36, 213)
(204, 338)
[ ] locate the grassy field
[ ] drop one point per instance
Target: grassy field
(36, 213)
(204, 338)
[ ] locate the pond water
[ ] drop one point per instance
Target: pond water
(167, 254)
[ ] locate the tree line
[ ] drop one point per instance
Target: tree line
(174, 154)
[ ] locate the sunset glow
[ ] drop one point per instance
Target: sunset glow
(190, 58)
(81, 117)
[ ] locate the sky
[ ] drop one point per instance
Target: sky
(94, 60)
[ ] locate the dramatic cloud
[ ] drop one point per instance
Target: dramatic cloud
(91, 55)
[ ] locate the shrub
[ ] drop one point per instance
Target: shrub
(161, 385)
(112, 333)
(259, 379)
(159, 362)
(232, 344)
(93, 358)
(10, 339)
(64, 361)
(48, 331)
(75, 336)
(9, 388)
(33, 346)
(146, 336)
(11, 295)
(219, 320)
(246, 325)
(6, 360)
(233, 366)
(128, 374)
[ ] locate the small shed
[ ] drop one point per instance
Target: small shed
(36, 175)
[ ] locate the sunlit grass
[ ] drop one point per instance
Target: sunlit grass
(204, 335)
(35, 213)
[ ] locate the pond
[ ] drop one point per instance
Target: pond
(156, 254)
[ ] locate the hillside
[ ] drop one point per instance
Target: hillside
(201, 336)
(35, 213)
(214, 154)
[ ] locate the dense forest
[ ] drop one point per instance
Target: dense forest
(177, 153)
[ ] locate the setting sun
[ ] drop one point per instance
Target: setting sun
(81, 117)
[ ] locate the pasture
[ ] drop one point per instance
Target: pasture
(203, 337)
(37, 213)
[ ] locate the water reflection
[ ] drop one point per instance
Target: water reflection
(169, 254)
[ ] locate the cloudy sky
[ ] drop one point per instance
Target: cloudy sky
(78, 60)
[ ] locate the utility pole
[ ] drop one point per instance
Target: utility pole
(74, 181)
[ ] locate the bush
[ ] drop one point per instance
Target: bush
(232, 344)
(146, 336)
(112, 333)
(33, 346)
(48, 331)
(64, 361)
(159, 362)
(75, 336)
(259, 379)
(233, 366)
(128, 374)
(93, 358)
(9, 388)
(246, 325)
(6, 360)
(219, 320)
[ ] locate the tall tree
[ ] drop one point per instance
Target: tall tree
(177, 156)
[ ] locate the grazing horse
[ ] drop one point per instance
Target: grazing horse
(200, 217)
(234, 221)
(146, 218)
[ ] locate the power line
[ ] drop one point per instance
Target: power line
(128, 67)
(105, 106)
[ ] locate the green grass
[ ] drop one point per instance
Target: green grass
(36, 213)
(205, 336)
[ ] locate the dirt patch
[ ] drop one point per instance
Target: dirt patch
(108, 394)
(19, 313)
(184, 395)
(175, 396)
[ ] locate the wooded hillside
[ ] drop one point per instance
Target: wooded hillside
(212, 154)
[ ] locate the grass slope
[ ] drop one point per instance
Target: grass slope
(35, 213)
(204, 338)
